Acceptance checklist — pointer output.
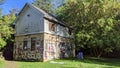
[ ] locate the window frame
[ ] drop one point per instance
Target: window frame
(25, 44)
(33, 43)
(52, 26)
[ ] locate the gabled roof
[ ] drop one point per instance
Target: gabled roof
(47, 16)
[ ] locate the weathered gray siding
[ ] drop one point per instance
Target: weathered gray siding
(31, 21)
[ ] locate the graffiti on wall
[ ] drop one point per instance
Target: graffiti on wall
(65, 49)
(50, 50)
(19, 49)
(23, 50)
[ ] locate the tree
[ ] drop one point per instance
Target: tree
(46, 5)
(95, 25)
(14, 11)
(6, 28)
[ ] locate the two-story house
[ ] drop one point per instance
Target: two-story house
(41, 36)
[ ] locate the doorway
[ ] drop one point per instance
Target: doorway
(8, 51)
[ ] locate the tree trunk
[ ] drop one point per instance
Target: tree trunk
(99, 54)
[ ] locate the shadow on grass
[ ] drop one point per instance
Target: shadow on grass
(101, 61)
(23, 60)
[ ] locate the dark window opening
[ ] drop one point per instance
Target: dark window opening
(28, 15)
(52, 26)
(33, 43)
(25, 44)
(70, 32)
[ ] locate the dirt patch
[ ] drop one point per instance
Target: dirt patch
(11, 64)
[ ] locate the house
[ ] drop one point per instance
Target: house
(41, 36)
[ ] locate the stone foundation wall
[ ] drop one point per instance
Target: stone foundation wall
(20, 53)
(47, 47)
(56, 47)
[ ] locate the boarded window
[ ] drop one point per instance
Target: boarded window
(33, 43)
(52, 26)
(25, 42)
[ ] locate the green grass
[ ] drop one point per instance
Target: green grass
(2, 63)
(74, 63)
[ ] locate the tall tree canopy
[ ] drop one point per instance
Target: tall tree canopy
(96, 24)
(6, 29)
(46, 5)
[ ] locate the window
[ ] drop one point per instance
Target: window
(25, 44)
(52, 26)
(70, 32)
(33, 43)
(28, 15)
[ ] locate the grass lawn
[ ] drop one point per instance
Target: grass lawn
(73, 63)
(2, 63)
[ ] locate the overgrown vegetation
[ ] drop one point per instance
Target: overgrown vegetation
(46, 5)
(96, 24)
(6, 28)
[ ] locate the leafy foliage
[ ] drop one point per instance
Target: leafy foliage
(95, 22)
(46, 5)
(6, 28)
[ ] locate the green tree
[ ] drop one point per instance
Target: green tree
(6, 28)
(46, 5)
(95, 24)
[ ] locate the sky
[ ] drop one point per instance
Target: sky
(10, 4)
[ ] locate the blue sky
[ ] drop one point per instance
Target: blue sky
(10, 4)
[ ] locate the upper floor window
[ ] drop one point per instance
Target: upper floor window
(70, 32)
(28, 15)
(33, 43)
(52, 26)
